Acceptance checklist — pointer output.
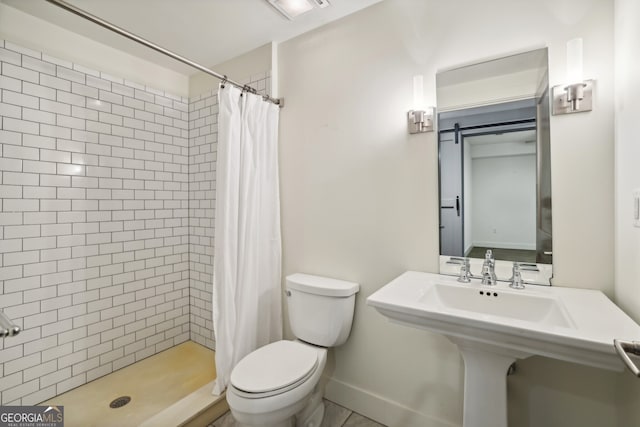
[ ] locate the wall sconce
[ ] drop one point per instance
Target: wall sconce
(420, 119)
(576, 96)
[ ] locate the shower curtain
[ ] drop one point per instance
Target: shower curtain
(247, 311)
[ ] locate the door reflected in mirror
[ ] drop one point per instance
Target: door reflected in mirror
(499, 184)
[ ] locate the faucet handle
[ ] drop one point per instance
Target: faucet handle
(465, 271)
(516, 278)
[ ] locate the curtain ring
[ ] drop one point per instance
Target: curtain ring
(224, 80)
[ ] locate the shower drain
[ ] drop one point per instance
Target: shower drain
(119, 402)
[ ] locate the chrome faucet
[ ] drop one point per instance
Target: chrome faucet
(489, 269)
(516, 277)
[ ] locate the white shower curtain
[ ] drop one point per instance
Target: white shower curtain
(247, 311)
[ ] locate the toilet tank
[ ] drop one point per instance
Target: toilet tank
(320, 308)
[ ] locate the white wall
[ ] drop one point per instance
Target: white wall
(627, 176)
(581, 152)
(627, 156)
(240, 69)
(34, 33)
(359, 195)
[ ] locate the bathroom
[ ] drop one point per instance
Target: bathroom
(359, 194)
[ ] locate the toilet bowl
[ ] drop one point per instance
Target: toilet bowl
(278, 385)
(281, 396)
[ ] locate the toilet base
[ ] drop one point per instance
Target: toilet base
(288, 423)
(313, 412)
(310, 416)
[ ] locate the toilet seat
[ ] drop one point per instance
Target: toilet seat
(274, 369)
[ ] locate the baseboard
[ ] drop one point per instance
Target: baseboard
(379, 408)
(505, 245)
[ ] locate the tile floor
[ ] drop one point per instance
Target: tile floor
(334, 416)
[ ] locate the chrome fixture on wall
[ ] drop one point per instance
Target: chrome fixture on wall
(7, 327)
(576, 95)
(420, 121)
(420, 118)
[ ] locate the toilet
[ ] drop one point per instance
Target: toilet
(278, 384)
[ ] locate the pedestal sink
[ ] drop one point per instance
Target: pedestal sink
(493, 326)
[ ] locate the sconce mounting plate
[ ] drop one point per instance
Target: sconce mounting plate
(420, 121)
(563, 93)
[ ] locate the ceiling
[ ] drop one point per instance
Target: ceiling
(206, 31)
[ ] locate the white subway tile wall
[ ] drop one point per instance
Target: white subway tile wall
(94, 223)
(203, 138)
(203, 126)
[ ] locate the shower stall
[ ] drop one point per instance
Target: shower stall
(107, 222)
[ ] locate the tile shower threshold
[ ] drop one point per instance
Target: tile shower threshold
(195, 410)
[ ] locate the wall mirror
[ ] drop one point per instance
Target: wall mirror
(494, 160)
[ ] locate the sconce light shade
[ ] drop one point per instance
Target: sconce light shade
(420, 119)
(574, 60)
(418, 92)
(576, 95)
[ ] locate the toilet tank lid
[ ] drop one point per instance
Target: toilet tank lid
(319, 285)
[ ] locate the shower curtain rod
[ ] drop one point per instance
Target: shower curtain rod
(109, 26)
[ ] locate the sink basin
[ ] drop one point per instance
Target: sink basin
(550, 321)
(493, 326)
(488, 304)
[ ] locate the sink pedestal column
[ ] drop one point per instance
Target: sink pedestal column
(485, 383)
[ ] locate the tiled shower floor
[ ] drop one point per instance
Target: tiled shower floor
(334, 416)
(154, 384)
